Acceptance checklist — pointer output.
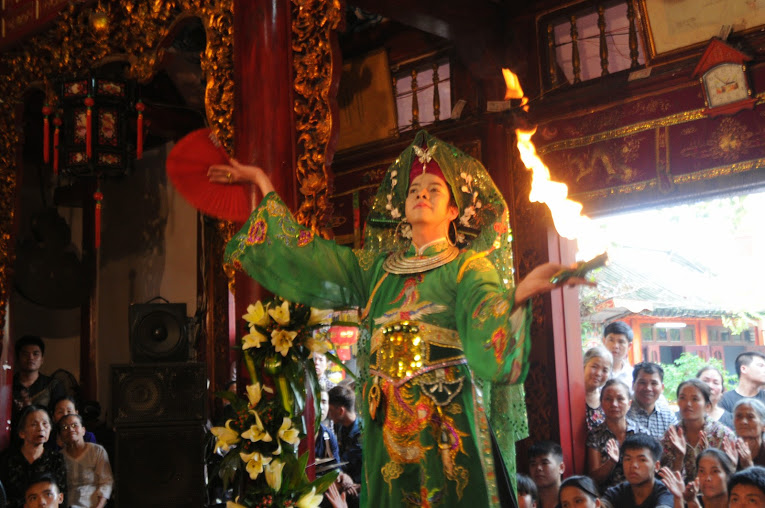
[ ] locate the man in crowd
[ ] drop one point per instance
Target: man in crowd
(641, 456)
(30, 386)
(747, 488)
(647, 387)
(43, 491)
(617, 338)
(342, 412)
(750, 367)
(546, 468)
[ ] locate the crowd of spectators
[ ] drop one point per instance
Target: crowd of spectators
(641, 453)
(52, 459)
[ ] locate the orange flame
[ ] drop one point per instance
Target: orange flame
(567, 214)
(513, 88)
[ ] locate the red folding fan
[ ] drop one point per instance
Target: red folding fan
(187, 167)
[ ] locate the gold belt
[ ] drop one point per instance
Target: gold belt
(406, 349)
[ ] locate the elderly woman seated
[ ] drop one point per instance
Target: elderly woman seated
(87, 466)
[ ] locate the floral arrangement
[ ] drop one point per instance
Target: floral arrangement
(260, 445)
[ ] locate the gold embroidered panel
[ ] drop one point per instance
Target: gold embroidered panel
(654, 150)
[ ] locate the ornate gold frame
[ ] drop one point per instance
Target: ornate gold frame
(135, 32)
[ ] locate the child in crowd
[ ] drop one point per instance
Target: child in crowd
(527, 491)
(546, 468)
(641, 456)
(43, 491)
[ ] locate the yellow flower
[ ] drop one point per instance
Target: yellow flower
(253, 339)
(318, 316)
(310, 499)
(231, 504)
(255, 392)
(282, 340)
(227, 437)
(254, 463)
(257, 432)
(274, 474)
(281, 314)
(317, 345)
(288, 433)
(256, 314)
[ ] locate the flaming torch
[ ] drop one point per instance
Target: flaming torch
(567, 214)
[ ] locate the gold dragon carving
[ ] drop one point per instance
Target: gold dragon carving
(133, 31)
(317, 68)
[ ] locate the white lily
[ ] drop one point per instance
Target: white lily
(282, 340)
(254, 463)
(310, 499)
(226, 436)
(274, 474)
(281, 314)
(253, 339)
(256, 314)
(255, 392)
(257, 432)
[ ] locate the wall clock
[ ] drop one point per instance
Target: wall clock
(724, 81)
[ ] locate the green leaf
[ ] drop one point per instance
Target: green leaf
(237, 403)
(322, 483)
(229, 467)
(339, 362)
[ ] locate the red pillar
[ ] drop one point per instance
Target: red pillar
(264, 124)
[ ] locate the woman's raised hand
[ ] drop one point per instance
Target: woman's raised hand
(744, 454)
(240, 173)
(677, 439)
(673, 480)
(612, 449)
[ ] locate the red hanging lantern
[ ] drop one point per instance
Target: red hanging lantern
(140, 107)
(46, 111)
(56, 134)
(89, 102)
(98, 196)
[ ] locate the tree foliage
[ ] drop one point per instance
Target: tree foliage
(686, 367)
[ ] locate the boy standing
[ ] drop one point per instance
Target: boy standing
(617, 338)
(641, 456)
(750, 367)
(43, 491)
(546, 468)
(747, 488)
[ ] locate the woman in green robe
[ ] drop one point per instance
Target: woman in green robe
(435, 283)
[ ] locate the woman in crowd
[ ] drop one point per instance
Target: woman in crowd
(20, 464)
(714, 469)
(578, 492)
(87, 466)
(714, 379)
(61, 408)
(603, 442)
(695, 432)
(749, 420)
(598, 362)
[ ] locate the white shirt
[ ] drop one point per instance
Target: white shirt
(88, 477)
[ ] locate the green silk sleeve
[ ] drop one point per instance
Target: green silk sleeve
(290, 261)
(495, 336)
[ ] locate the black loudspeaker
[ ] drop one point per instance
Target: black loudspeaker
(158, 393)
(160, 467)
(158, 332)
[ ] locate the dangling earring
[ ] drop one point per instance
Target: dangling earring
(453, 227)
(403, 229)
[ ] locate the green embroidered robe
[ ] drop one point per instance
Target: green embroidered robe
(432, 334)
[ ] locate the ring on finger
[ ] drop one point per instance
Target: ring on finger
(228, 177)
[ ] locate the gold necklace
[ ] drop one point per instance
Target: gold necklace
(398, 264)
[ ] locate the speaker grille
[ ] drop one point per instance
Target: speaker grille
(160, 467)
(158, 332)
(152, 393)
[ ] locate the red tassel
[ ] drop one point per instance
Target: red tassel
(57, 122)
(98, 197)
(46, 110)
(140, 107)
(89, 127)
